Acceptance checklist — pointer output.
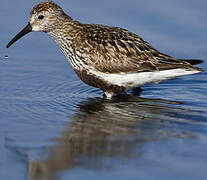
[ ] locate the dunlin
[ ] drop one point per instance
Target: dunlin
(110, 58)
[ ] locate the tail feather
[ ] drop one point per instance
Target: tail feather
(192, 61)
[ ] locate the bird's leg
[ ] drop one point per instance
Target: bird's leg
(136, 91)
(108, 95)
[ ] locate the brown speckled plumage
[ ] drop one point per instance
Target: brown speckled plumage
(103, 49)
(122, 51)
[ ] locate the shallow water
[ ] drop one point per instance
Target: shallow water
(52, 126)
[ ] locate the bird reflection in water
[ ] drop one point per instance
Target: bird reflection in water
(116, 129)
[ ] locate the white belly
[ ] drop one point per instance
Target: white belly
(130, 80)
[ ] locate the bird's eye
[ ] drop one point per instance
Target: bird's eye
(40, 17)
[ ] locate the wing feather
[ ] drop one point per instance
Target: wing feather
(116, 50)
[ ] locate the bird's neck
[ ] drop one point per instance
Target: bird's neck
(65, 29)
(64, 34)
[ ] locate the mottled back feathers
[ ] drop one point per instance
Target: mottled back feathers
(116, 50)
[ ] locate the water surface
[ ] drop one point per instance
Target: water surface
(52, 126)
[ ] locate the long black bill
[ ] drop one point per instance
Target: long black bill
(24, 31)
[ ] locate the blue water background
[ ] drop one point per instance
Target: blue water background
(53, 126)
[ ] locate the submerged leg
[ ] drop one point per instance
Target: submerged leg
(109, 95)
(136, 91)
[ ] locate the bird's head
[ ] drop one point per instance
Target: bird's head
(44, 17)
